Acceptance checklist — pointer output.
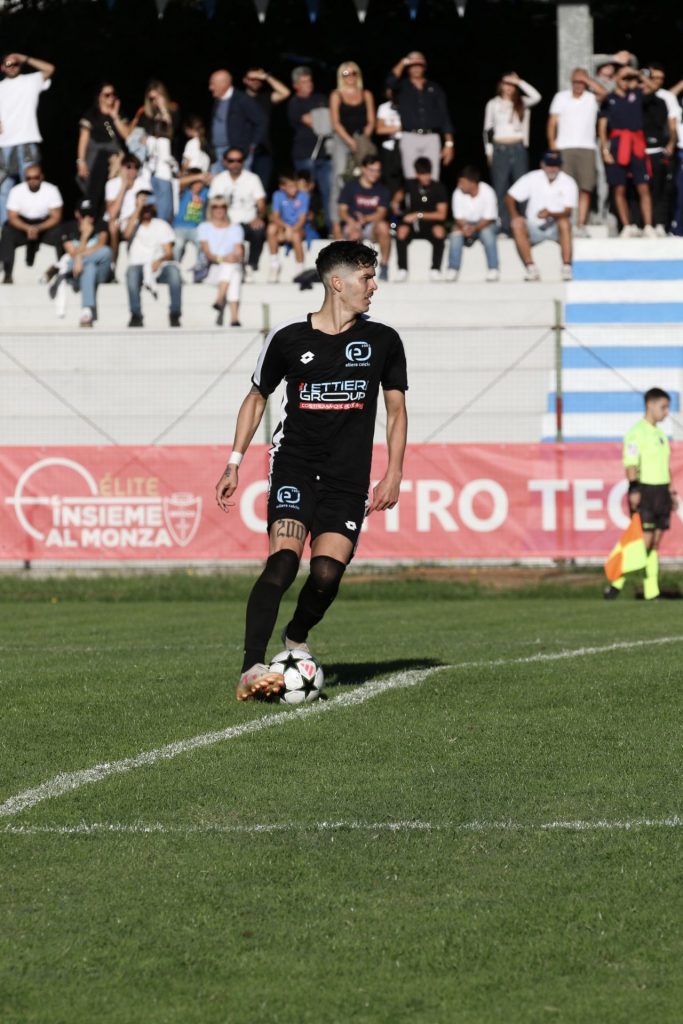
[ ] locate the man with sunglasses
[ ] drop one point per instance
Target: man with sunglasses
(246, 199)
(34, 211)
(623, 144)
(19, 132)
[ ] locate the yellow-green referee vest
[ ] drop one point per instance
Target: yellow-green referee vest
(647, 448)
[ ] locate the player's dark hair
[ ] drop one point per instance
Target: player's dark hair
(470, 173)
(655, 393)
(348, 255)
(423, 165)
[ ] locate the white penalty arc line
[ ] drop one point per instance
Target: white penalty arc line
(159, 828)
(67, 782)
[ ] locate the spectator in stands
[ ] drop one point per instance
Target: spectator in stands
(426, 208)
(150, 260)
(20, 136)
(551, 196)
(606, 65)
(506, 134)
(677, 219)
(246, 201)
(120, 196)
(255, 82)
(102, 134)
(426, 124)
(663, 170)
(87, 258)
(622, 142)
(660, 142)
(388, 128)
(159, 119)
(196, 154)
(305, 183)
(34, 212)
(307, 110)
(287, 223)
(223, 249)
(194, 195)
(571, 131)
(363, 205)
(237, 121)
(352, 115)
(475, 216)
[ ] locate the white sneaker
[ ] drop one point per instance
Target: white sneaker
(567, 272)
(531, 272)
(629, 231)
(649, 231)
(247, 274)
(581, 231)
(400, 276)
(660, 231)
(290, 645)
(274, 273)
(435, 275)
(86, 317)
(492, 275)
(451, 275)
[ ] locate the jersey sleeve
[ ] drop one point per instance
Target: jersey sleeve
(631, 450)
(271, 366)
(395, 372)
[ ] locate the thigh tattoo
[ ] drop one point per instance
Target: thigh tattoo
(291, 529)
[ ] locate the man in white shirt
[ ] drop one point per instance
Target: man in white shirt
(19, 132)
(475, 216)
(120, 195)
(551, 197)
(34, 210)
(571, 131)
(246, 199)
(150, 260)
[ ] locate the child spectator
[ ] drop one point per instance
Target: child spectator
(305, 183)
(194, 194)
(287, 224)
(196, 152)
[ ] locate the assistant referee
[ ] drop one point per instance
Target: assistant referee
(650, 489)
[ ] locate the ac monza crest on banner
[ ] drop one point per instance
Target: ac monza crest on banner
(182, 513)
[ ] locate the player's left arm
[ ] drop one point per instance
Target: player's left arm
(386, 493)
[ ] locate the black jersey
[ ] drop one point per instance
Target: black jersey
(330, 401)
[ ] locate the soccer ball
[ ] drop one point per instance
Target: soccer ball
(303, 676)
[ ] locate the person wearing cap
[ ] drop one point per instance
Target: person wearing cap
(623, 147)
(551, 196)
(34, 211)
(86, 262)
(427, 129)
(150, 260)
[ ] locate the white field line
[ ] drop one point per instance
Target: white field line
(157, 828)
(67, 782)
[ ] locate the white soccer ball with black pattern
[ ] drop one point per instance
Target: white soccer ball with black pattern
(303, 676)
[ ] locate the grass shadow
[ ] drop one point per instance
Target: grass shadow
(355, 673)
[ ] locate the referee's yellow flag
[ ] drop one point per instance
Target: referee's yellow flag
(629, 553)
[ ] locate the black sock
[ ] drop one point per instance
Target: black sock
(317, 594)
(264, 603)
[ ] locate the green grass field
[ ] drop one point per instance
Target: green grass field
(499, 841)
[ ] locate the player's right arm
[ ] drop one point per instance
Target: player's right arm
(248, 420)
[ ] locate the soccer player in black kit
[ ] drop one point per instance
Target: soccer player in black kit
(334, 363)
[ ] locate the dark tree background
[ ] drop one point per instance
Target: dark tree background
(129, 44)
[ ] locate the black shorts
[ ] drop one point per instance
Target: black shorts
(294, 493)
(655, 506)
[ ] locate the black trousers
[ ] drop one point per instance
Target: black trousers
(660, 187)
(14, 238)
(256, 237)
(423, 231)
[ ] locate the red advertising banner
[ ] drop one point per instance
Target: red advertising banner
(458, 502)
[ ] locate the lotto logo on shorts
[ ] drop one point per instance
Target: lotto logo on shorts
(289, 496)
(350, 525)
(358, 353)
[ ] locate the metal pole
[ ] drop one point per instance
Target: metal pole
(557, 330)
(265, 331)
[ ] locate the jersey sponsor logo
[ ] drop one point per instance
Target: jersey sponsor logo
(290, 496)
(358, 353)
(334, 395)
(307, 357)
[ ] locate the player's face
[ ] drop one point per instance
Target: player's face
(659, 409)
(358, 288)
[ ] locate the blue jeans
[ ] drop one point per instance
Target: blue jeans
(27, 153)
(95, 271)
(163, 197)
(488, 238)
(170, 275)
(509, 163)
(219, 152)
(321, 173)
(183, 235)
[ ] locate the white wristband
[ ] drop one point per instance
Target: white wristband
(235, 458)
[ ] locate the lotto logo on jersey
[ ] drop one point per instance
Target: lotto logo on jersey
(289, 496)
(358, 353)
(333, 395)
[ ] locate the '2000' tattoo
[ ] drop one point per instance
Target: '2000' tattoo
(291, 529)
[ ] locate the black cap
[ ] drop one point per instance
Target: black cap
(551, 158)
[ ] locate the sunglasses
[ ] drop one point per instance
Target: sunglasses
(33, 177)
(108, 92)
(629, 78)
(345, 74)
(219, 206)
(234, 160)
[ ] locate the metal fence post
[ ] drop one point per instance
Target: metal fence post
(557, 330)
(265, 331)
